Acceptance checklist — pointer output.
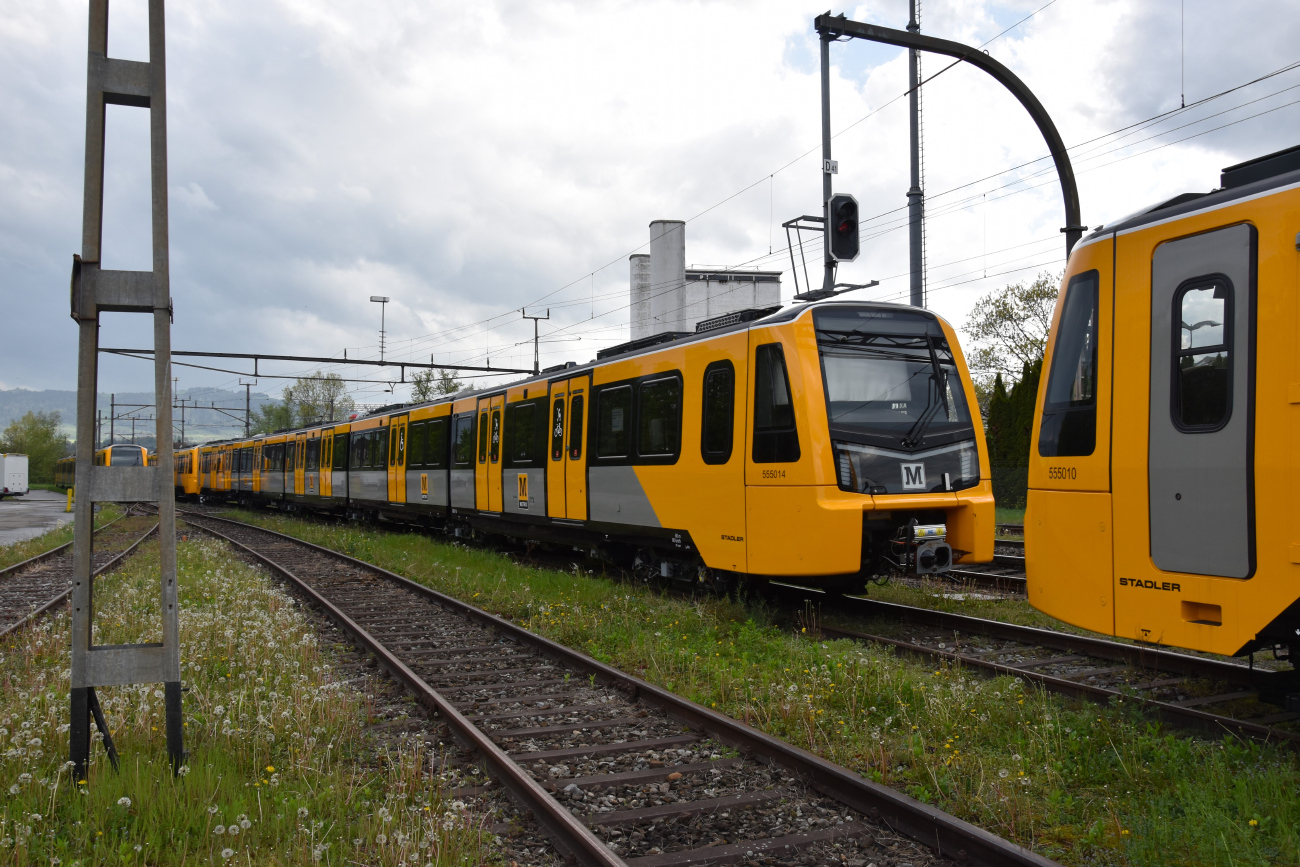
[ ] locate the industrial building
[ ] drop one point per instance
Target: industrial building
(669, 297)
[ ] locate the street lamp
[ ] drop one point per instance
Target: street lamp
(382, 301)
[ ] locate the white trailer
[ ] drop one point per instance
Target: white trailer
(13, 475)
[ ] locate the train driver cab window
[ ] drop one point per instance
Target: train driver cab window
(614, 422)
(482, 437)
(575, 427)
(1069, 426)
(1203, 355)
(718, 415)
(659, 417)
(775, 438)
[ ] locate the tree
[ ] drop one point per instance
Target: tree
(1009, 432)
(36, 435)
(271, 416)
(312, 399)
(1009, 329)
(429, 384)
(318, 397)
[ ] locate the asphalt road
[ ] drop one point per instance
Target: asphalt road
(31, 515)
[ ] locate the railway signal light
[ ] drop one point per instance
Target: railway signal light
(842, 227)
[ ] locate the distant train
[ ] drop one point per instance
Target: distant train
(119, 455)
(1167, 424)
(830, 442)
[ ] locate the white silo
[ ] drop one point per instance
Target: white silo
(640, 307)
(667, 275)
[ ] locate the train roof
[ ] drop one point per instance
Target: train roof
(1260, 176)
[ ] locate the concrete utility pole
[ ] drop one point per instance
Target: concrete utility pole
(95, 291)
(537, 367)
(915, 195)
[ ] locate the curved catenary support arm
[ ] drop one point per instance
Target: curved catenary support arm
(837, 25)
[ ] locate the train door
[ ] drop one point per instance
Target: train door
(556, 505)
(326, 461)
(257, 468)
(300, 464)
(484, 411)
(1201, 412)
(397, 459)
(575, 455)
(494, 452)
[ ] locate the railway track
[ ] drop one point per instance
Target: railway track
(39, 584)
(1187, 691)
(614, 769)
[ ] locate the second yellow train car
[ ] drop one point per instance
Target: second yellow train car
(1164, 440)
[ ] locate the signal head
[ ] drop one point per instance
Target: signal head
(842, 227)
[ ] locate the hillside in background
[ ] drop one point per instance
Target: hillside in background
(202, 423)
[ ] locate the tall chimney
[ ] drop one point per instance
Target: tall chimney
(667, 275)
(640, 283)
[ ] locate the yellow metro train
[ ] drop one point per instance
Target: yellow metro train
(1166, 429)
(829, 442)
(118, 455)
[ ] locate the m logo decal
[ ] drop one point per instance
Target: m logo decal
(523, 490)
(913, 477)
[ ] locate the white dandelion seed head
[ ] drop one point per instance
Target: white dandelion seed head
(381, 839)
(212, 811)
(219, 830)
(302, 812)
(245, 824)
(124, 802)
(227, 854)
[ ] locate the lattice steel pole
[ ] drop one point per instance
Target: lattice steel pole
(143, 85)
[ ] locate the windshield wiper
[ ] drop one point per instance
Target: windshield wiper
(940, 381)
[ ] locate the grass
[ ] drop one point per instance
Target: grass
(1009, 516)
(281, 770)
(1077, 783)
(17, 552)
(42, 486)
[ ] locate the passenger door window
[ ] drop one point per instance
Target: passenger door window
(575, 427)
(1203, 356)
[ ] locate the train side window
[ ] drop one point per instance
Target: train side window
(659, 417)
(523, 433)
(557, 430)
(464, 440)
(381, 448)
(360, 450)
(340, 451)
(575, 427)
(1202, 392)
(1069, 427)
(614, 411)
(415, 448)
(435, 444)
(482, 437)
(313, 454)
(776, 439)
(718, 415)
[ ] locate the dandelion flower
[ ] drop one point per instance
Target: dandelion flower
(227, 854)
(302, 812)
(1254, 822)
(219, 830)
(212, 810)
(124, 802)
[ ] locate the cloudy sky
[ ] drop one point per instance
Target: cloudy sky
(470, 159)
